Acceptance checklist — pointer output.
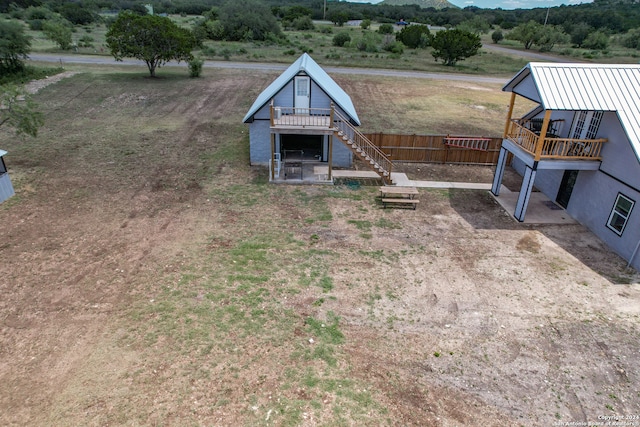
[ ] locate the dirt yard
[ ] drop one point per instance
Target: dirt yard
(151, 277)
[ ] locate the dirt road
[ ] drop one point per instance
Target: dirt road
(261, 66)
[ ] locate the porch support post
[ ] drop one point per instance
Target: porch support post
(330, 160)
(525, 192)
(509, 115)
(271, 112)
(543, 135)
(331, 115)
(273, 152)
(499, 173)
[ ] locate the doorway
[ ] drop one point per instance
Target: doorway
(302, 95)
(566, 187)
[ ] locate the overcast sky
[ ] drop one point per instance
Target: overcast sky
(504, 4)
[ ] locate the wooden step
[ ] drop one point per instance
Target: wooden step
(398, 201)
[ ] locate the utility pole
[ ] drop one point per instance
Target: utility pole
(546, 17)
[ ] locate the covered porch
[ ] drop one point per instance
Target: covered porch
(540, 140)
(330, 126)
(532, 167)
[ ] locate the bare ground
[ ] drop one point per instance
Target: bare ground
(154, 279)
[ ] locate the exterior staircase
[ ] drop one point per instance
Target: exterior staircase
(364, 149)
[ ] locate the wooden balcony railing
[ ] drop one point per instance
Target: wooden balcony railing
(553, 147)
(301, 117)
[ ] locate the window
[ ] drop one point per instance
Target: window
(620, 214)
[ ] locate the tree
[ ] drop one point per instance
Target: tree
(19, 111)
(248, 20)
(298, 18)
(302, 23)
(415, 36)
(455, 45)
(294, 12)
(338, 16)
(385, 29)
(497, 36)
(341, 39)
(548, 36)
(579, 33)
(59, 33)
(76, 14)
(526, 33)
(7, 5)
(195, 67)
(369, 42)
(597, 40)
(476, 25)
(15, 46)
(153, 39)
(632, 39)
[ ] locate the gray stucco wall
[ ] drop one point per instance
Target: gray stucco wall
(342, 156)
(592, 201)
(260, 142)
(595, 192)
(619, 159)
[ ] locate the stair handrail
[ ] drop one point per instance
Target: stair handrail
(342, 124)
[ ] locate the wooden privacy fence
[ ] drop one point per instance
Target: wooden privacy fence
(438, 148)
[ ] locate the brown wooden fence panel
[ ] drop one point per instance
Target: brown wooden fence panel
(432, 149)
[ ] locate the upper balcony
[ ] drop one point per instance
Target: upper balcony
(302, 120)
(528, 134)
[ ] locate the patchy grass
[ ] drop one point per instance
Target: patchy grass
(152, 277)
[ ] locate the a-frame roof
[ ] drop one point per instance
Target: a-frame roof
(307, 65)
(585, 87)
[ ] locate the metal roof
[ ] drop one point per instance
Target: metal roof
(310, 67)
(588, 87)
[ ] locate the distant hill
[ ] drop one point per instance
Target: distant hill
(438, 4)
(614, 2)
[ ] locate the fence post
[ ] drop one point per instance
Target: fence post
(446, 150)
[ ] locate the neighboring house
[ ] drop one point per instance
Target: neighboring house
(304, 116)
(6, 189)
(580, 146)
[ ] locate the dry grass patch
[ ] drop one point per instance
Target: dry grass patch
(152, 277)
(426, 106)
